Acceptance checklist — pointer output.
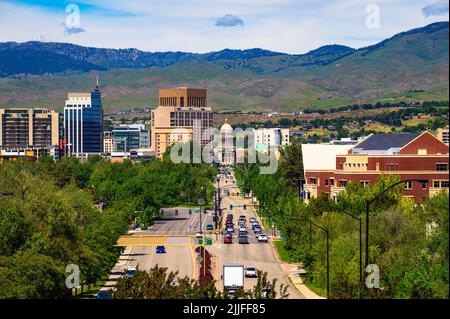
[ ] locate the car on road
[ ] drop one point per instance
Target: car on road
(254, 225)
(228, 239)
(103, 294)
(243, 239)
(262, 238)
(252, 220)
(160, 249)
(230, 230)
(242, 228)
(199, 234)
(257, 231)
(250, 271)
(243, 233)
(209, 227)
(131, 270)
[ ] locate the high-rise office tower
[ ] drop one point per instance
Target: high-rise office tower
(28, 129)
(83, 123)
(182, 116)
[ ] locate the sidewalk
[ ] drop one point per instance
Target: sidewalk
(118, 269)
(293, 274)
(291, 270)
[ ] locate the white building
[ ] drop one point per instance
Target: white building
(224, 152)
(271, 139)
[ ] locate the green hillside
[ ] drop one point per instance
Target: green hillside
(411, 66)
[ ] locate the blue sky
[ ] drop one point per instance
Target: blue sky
(292, 26)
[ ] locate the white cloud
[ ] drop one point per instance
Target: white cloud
(436, 9)
(292, 26)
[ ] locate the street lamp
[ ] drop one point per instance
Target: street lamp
(359, 219)
(328, 249)
(368, 202)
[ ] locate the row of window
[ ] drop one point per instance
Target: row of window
(408, 185)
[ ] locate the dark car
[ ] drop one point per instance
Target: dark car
(160, 249)
(103, 294)
(209, 227)
(243, 240)
(257, 230)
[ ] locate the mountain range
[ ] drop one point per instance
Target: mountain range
(412, 65)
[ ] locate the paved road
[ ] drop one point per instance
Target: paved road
(181, 258)
(259, 255)
(177, 258)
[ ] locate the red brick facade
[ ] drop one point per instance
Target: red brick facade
(363, 168)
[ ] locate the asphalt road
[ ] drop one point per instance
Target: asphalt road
(259, 255)
(182, 258)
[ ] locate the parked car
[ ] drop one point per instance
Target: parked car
(243, 239)
(228, 239)
(131, 270)
(209, 227)
(262, 237)
(160, 249)
(250, 271)
(253, 220)
(254, 225)
(257, 230)
(242, 228)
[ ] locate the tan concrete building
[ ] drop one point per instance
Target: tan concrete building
(108, 145)
(443, 135)
(182, 116)
(27, 129)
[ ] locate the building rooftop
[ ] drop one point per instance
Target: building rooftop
(385, 141)
(322, 156)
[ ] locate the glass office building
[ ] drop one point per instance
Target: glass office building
(130, 137)
(83, 123)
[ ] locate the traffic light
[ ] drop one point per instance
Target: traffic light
(245, 207)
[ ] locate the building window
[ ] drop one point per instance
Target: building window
(444, 184)
(441, 167)
(342, 183)
(332, 182)
(408, 185)
(326, 182)
(436, 184)
(422, 151)
(313, 181)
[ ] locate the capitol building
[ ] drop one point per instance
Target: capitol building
(224, 152)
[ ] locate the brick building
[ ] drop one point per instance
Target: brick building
(408, 155)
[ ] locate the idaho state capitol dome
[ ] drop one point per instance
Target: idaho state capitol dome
(226, 128)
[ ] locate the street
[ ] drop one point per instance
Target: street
(183, 258)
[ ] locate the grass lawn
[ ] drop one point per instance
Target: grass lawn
(89, 294)
(282, 252)
(318, 290)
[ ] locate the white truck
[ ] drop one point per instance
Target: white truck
(233, 277)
